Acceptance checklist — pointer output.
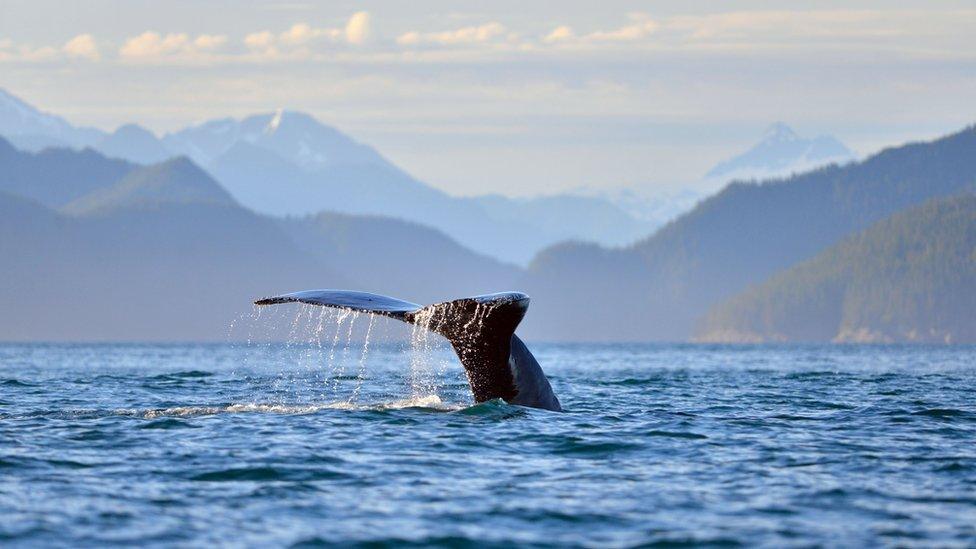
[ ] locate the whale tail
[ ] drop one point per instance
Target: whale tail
(479, 328)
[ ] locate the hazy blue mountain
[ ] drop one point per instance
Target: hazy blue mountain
(653, 208)
(178, 181)
(143, 273)
(400, 258)
(31, 129)
(564, 216)
(55, 177)
(296, 137)
(659, 288)
(908, 278)
(287, 163)
(163, 252)
(134, 143)
(781, 152)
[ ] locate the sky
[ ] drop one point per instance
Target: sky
(512, 97)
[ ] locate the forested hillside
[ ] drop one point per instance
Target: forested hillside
(660, 288)
(908, 278)
(97, 249)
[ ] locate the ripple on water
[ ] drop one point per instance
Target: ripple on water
(661, 445)
(11, 382)
(944, 413)
(168, 423)
(268, 473)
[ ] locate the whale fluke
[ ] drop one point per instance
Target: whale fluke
(344, 299)
(481, 329)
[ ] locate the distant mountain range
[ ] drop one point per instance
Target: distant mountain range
(30, 129)
(288, 163)
(163, 252)
(93, 247)
(781, 152)
(661, 287)
(910, 277)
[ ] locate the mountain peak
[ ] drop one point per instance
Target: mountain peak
(778, 132)
(780, 153)
(132, 129)
(174, 181)
(134, 143)
(30, 128)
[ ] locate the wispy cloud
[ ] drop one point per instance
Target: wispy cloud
(151, 45)
(478, 34)
(770, 32)
(357, 30)
(82, 46)
(641, 26)
(301, 39)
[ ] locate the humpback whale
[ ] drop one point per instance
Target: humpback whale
(481, 329)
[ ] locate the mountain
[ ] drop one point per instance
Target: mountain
(399, 258)
(659, 288)
(563, 216)
(781, 152)
(288, 163)
(140, 273)
(135, 144)
(296, 137)
(177, 181)
(163, 252)
(908, 278)
(31, 129)
(653, 207)
(55, 177)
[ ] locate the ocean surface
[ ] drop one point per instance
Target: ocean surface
(320, 442)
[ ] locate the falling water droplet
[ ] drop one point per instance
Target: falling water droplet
(361, 373)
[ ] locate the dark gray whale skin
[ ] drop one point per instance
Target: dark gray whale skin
(481, 329)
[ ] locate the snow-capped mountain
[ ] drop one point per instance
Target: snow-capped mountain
(294, 136)
(31, 129)
(288, 163)
(781, 152)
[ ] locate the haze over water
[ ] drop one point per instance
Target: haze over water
(268, 444)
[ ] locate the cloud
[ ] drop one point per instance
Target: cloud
(559, 34)
(297, 40)
(792, 24)
(302, 33)
(43, 53)
(259, 40)
(9, 51)
(209, 42)
(152, 45)
(82, 46)
(641, 26)
(357, 29)
(465, 35)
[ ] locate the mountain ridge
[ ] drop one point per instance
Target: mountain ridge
(289, 163)
(907, 278)
(659, 287)
(163, 252)
(781, 152)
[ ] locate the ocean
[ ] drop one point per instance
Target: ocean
(332, 442)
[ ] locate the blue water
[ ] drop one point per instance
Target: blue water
(279, 445)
